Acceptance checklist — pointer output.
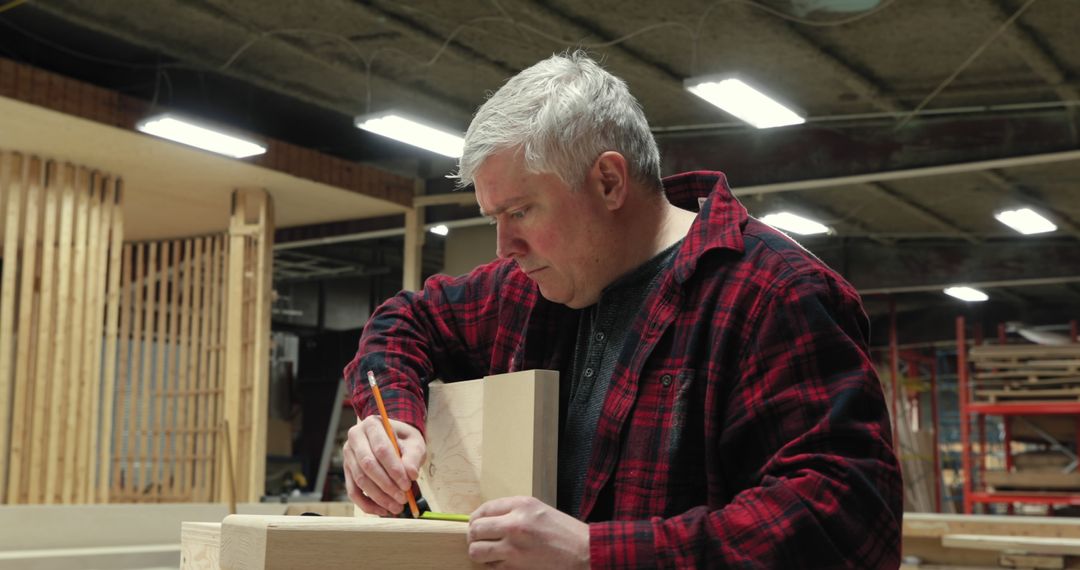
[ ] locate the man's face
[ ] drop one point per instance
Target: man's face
(555, 234)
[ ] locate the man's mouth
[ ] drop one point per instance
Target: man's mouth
(531, 272)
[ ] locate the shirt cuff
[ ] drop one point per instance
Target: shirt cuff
(622, 544)
(401, 405)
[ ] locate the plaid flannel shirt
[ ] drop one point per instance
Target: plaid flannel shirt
(744, 425)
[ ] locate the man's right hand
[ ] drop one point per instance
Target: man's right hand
(375, 477)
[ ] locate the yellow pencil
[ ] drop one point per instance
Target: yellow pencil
(390, 432)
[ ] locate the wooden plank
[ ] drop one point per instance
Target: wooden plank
(234, 332)
(991, 351)
(178, 481)
(1012, 560)
(46, 324)
(18, 453)
(161, 349)
(60, 400)
(1027, 544)
(214, 416)
(261, 347)
(197, 415)
(76, 396)
(128, 477)
(250, 542)
(124, 396)
(1056, 394)
(114, 230)
(929, 551)
(146, 372)
(93, 333)
(200, 546)
(521, 408)
(1032, 480)
(11, 186)
(930, 525)
(450, 477)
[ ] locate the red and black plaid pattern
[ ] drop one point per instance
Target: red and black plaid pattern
(744, 425)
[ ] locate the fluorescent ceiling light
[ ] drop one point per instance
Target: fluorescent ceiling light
(181, 130)
(792, 223)
(743, 101)
(409, 131)
(1025, 221)
(966, 294)
(440, 229)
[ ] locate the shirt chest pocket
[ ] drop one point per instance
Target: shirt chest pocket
(665, 418)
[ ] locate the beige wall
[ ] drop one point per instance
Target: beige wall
(468, 247)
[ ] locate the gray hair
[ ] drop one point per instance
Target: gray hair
(562, 113)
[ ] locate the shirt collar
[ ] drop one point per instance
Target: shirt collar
(720, 222)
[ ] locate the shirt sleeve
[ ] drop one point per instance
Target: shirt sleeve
(806, 439)
(445, 328)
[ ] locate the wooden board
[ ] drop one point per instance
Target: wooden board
(929, 525)
(521, 427)
(513, 417)
(200, 546)
(250, 542)
(1027, 544)
(450, 476)
(1032, 480)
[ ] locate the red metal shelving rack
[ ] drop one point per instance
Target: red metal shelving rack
(980, 410)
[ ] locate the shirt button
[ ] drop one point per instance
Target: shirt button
(600, 336)
(665, 379)
(588, 372)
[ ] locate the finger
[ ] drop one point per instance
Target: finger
(390, 475)
(356, 495)
(498, 507)
(370, 477)
(488, 552)
(487, 528)
(413, 453)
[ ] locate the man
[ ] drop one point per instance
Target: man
(719, 407)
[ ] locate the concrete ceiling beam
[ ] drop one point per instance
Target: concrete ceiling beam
(920, 211)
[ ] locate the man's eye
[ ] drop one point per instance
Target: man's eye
(518, 214)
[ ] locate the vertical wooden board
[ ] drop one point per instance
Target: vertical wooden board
(161, 348)
(215, 372)
(450, 477)
(196, 366)
(93, 333)
(114, 232)
(76, 392)
(154, 377)
(46, 324)
(18, 457)
(11, 189)
(132, 438)
(521, 407)
(190, 378)
(261, 349)
(124, 396)
(234, 322)
(170, 394)
(60, 399)
(180, 400)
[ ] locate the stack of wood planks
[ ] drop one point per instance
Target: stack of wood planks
(940, 542)
(1026, 372)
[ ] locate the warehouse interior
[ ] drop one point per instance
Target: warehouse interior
(922, 122)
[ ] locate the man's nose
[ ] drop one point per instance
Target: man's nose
(508, 244)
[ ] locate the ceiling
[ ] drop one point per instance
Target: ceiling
(924, 117)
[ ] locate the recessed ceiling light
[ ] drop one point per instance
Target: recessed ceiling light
(743, 101)
(968, 294)
(440, 229)
(1025, 221)
(410, 131)
(794, 223)
(191, 133)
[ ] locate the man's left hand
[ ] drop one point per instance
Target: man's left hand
(523, 532)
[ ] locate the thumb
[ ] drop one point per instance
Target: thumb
(413, 453)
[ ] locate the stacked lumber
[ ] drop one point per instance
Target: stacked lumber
(989, 541)
(1026, 372)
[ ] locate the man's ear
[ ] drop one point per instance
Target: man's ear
(610, 176)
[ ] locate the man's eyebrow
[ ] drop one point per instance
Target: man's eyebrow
(502, 208)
